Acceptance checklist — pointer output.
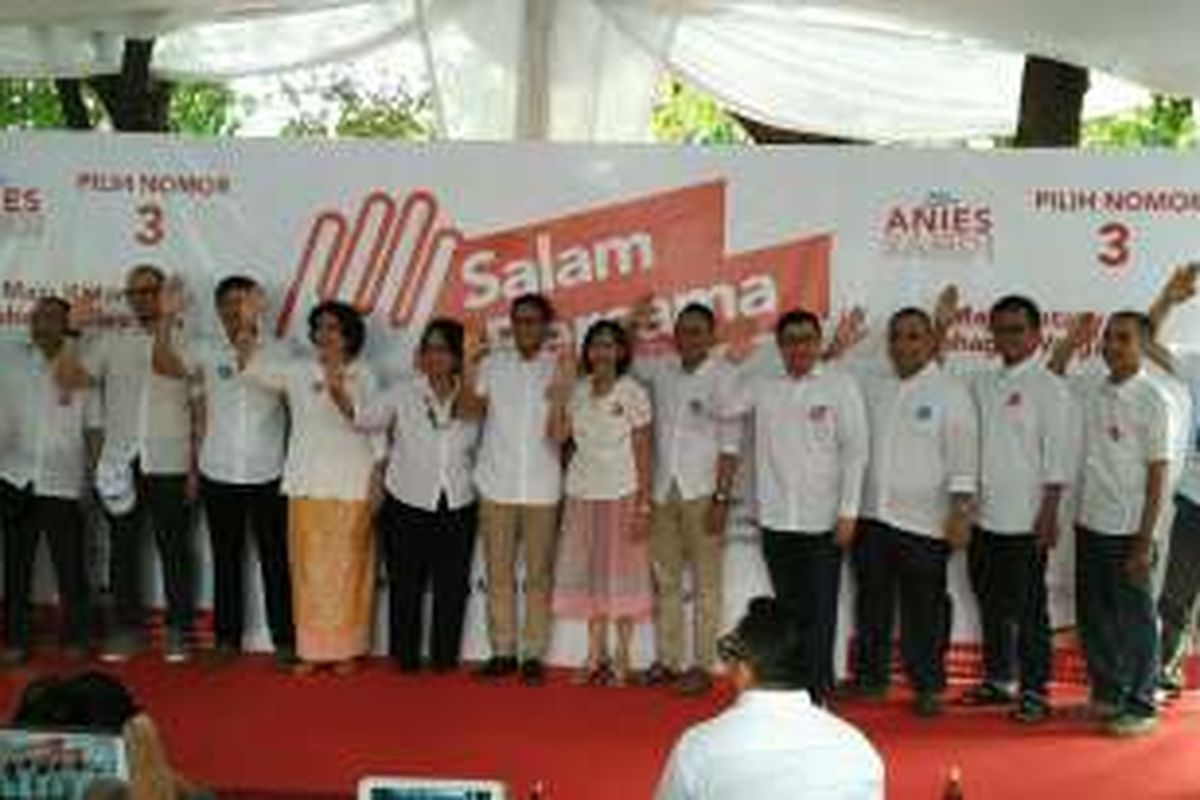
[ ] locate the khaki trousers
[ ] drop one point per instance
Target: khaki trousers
(679, 536)
(501, 526)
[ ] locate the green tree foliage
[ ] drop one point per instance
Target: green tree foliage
(29, 104)
(683, 115)
(203, 109)
(1166, 122)
(348, 109)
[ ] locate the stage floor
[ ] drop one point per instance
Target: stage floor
(246, 730)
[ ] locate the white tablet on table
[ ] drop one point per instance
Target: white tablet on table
(429, 789)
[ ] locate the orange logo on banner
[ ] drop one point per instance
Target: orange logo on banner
(591, 263)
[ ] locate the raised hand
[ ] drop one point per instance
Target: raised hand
(1083, 330)
(641, 314)
(475, 343)
(85, 311)
(172, 300)
(945, 310)
(740, 335)
(851, 329)
(563, 381)
(1181, 286)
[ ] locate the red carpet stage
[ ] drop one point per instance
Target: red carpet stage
(249, 731)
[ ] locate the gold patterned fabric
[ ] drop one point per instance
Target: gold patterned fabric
(332, 553)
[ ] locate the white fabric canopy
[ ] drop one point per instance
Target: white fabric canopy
(586, 69)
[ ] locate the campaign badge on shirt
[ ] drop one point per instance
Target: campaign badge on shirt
(1114, 432)
(224, 372)
(617, 409)
(696, 406)
(318, 387)
(1014, 400)
(924, 413)
(818, 413)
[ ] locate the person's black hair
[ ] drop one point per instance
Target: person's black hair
(772, 642)
(90, 700)
(619, 335)
(536, 301)
(797, 316)
(450, 331)
(698, 310)
(910, 312)
(234, 283)
(354, 330)
(1018, 303)
(147, 269)
(1141, 320)
(54, 300)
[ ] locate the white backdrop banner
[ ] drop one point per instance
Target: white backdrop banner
(411, 232)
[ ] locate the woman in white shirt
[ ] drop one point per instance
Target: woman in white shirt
(427, 522)
(329, 477)
(603, 569)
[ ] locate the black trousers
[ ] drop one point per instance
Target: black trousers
(232, 510)
(162, 505)
(1008, 575)
(24, 517)
(423, 548)
(806, 573)
(889, 562)
(1117, 623)
(1181, 589)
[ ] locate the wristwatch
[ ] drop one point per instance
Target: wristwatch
(719, 497)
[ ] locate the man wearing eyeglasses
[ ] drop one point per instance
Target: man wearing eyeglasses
(772, 743)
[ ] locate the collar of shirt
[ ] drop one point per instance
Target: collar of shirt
(1012, 372)
(761, 698)
(814, 372)
(1126, 387)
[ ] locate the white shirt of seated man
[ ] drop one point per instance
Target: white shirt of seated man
(772, 743)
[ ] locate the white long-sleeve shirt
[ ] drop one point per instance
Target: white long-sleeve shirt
(518, 462)
(811, 445)
(772, 745)
(693, 423)
(147, 416)
(1024, 440)
(328, 457)
(924, 448)
(45, 448)
(245, 430)
(1125, 430)
(432, 452)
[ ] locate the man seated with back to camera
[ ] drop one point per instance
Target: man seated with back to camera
(772, 743)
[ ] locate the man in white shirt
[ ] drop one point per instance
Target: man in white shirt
(43, 473)
(241, 461)
(1025, 460)
(917, 505)
(695, 457)
(772, 743)
(519, 477)
(1178, 601)
(811, 447)
(148, 429)
(1127, 445)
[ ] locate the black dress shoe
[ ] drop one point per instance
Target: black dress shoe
(532, 672)
(497, 667)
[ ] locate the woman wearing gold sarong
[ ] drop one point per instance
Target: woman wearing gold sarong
(330, 477)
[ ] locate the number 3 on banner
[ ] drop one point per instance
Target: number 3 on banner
(1114, 244)
(151, 228)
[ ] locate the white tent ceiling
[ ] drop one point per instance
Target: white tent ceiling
(586, 69)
